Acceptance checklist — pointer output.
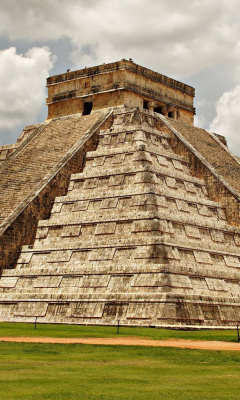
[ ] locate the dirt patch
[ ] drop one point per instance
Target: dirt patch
(129, 341)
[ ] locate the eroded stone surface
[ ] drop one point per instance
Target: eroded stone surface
(38, 171)
(114, 212)
(119, 83)
(136, 238)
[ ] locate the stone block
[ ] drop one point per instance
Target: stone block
(190, 187)
(102, 254)
(217, 236)
(120, 283)
(182, 205)
(25, 258)
(202, 257)
(8, 281)
(116, 180)
(87, 310)
(94, 281)
(30, 309)
(105, 228)
(45, 281)
(109, 203)
(192, 231)
(171, 182)
(70, 282)
(57, 256)
(98, 161)
(163, 161)
(142, 311)
(177, 164)
(232, 261)
(71, 230)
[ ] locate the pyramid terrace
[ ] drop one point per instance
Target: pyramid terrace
(117, 208)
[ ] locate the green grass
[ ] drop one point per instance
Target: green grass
(73, 372)
(52, 330)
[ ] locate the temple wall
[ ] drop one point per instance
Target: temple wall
(67, 92)
(109, 99)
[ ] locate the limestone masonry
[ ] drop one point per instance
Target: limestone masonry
(117, 208)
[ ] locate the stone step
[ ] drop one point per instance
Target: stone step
(134, 169)
(191, 269)
(148, 196)
(75, 218)
(40, 153)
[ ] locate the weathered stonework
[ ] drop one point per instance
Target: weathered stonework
(134, 216)
(120, 83)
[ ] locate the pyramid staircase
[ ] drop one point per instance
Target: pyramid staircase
(38, 171)
(136, 239)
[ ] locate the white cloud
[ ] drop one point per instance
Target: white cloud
(22, 85)
(227, 120)
(177, 37)
(182, 39)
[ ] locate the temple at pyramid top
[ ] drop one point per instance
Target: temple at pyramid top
(119, 83)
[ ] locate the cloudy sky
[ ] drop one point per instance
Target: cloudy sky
(194, 41)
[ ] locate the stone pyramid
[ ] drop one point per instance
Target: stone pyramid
(134, 217)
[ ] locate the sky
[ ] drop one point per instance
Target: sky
(194, 41)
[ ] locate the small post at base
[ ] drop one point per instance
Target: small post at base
(238, 334)
(35, 325)
(118, 327)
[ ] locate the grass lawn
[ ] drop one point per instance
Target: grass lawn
(53, 330)
(59, 372)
